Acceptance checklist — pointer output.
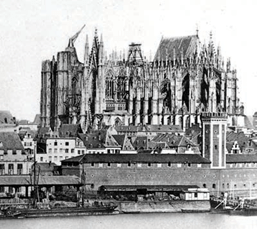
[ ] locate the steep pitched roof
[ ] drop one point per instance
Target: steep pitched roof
(10, 141)
(240, 137)
(98, 140)
(6, 118)
(167, 46)
(124, 142)
(140, 142)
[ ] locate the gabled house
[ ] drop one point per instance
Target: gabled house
(125, 143)
(100, 142)
(177, 144)
(13, 157)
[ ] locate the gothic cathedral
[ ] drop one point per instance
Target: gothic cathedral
(184, 79)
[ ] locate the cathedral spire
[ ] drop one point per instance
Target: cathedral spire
(174, 56)
(101, 50)
(86, 55)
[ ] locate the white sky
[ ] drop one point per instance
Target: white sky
(34, 30)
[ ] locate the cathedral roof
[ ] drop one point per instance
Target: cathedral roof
(167, 46)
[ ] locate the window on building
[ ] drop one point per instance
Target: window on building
(129, 164)
(10, 169)
(72, 150)
(66, 150)
(82, 151)
(149, 164)
(196, 194)
(169, 164)
(2, 189)
(215, 147)
(227, 185)
(60, 158)
(66, 143)
(78, 151)
(92, 164)
(50, 158)
(204, 185)
(2, 169)
(108, 164)
(213, 186)
(55, 143)
(14, 152)
(19, 169)
(55, 158)
(55, 150)
(49, 150)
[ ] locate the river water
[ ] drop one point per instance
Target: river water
(129, 221)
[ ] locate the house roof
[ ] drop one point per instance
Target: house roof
(240, 137)
(149, 128)
(169, 47)
(174, 140)
(69, 130)
(241, 158)
(43, 131)
(140, 142)
(98, 140)
(6, 118)
(46, 166)
(23, 132)
(43, 180)
(23, 122)
(140, 158)
(10, 141)
(124, 142)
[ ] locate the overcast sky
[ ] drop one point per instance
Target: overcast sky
(32, 31)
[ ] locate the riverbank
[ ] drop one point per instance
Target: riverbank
(164, 206)
(117, 207)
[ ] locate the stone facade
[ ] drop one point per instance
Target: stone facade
(184, 79)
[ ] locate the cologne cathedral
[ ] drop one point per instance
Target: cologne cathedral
(183, 79)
